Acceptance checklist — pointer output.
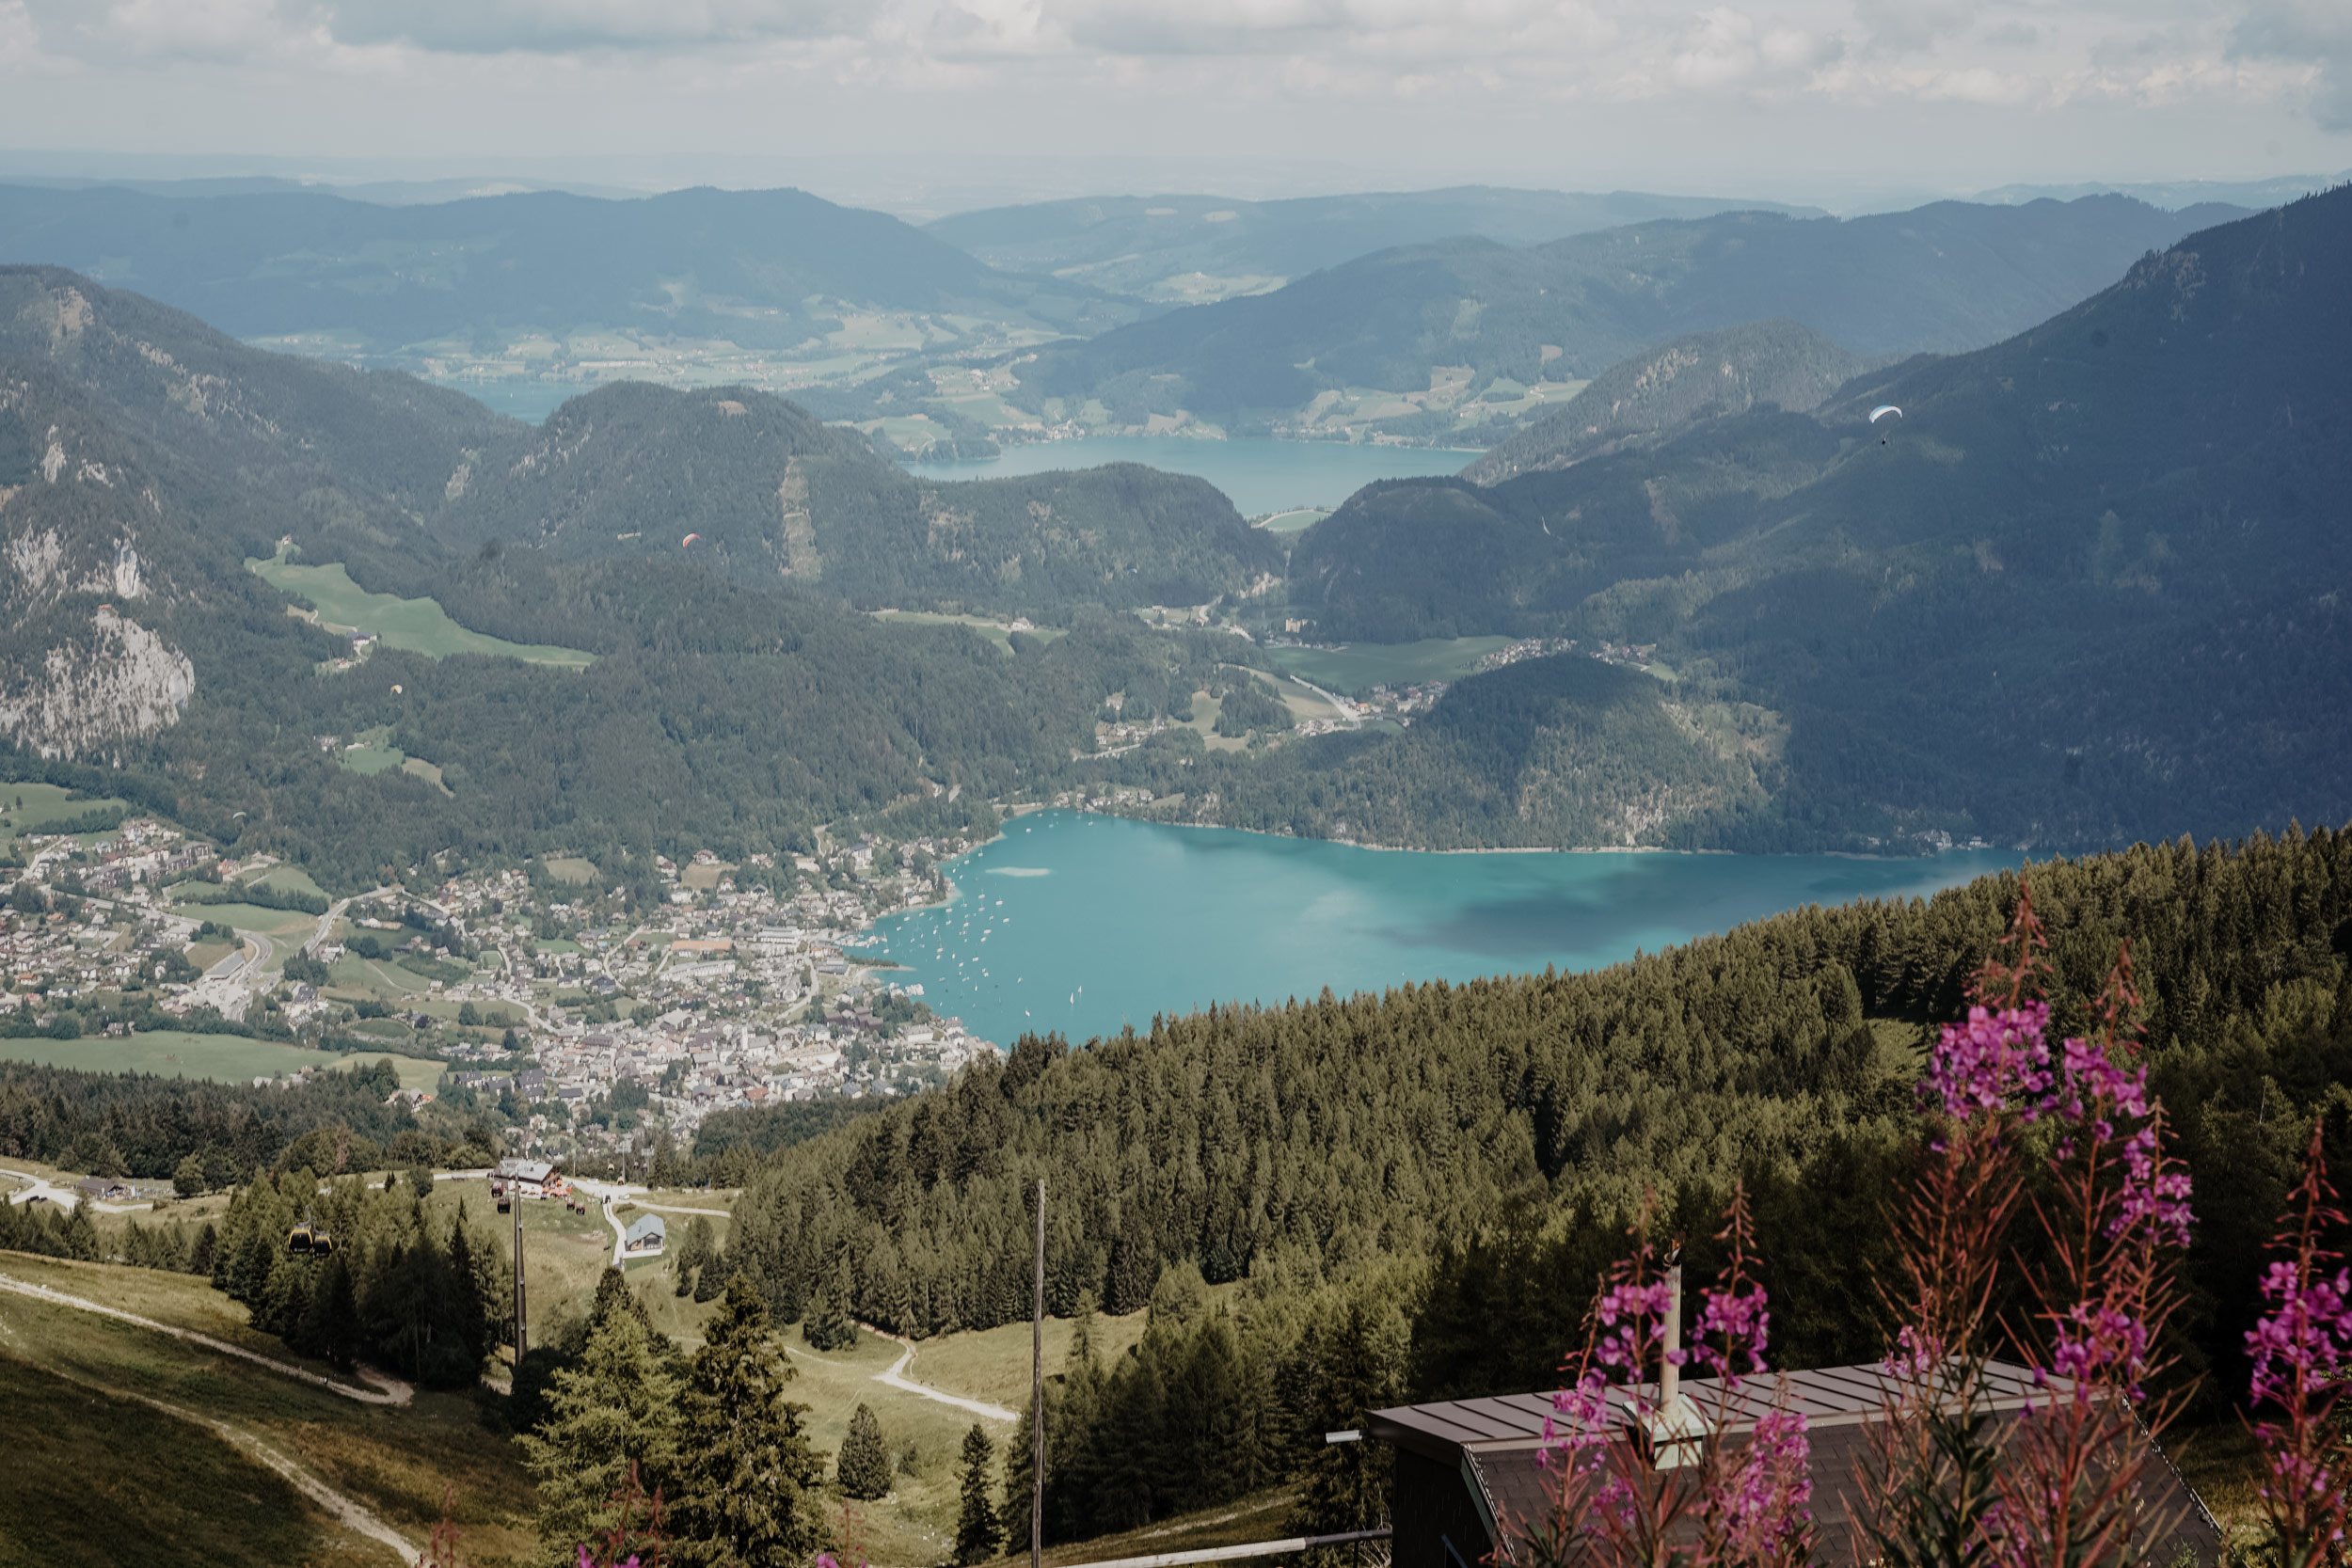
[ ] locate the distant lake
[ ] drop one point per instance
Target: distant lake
(1260, 474)
(1149, 918)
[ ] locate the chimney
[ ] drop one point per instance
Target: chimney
(1676, 1435)
(1670, 1379)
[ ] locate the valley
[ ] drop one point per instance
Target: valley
(1332, 763)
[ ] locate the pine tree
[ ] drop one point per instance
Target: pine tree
(1346, 1484)
(827, 1327)
(978, 1531)
(864, 1467)
(617, 1408)
(747, 1472)
(80, 1234)
(331, 1329)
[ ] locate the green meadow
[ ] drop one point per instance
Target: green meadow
(227, 1058)
(1358, 665)
(992, 630)
(1298, 521)
(419, 626)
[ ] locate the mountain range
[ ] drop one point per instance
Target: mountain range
(2087, 588)
(2090, 587)
(1942, 278)
(760, 269)
(1186, 249)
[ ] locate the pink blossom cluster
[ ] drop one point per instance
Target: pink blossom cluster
(1762, 1501)
(2307, 1338)
(1733, 1326)
(2098, 1343)
(1995, 1059)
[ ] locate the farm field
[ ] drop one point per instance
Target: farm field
(273, 924)
(571, 868)
(1353, 667)
(227, 1058)
(419, 625)
(43, 805)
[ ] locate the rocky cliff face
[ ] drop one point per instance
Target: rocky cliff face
(117, 681)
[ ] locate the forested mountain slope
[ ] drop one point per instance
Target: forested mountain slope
(771, 494)
(1705, 375)
(1947, 277)
(742, 265)
(1305, 1141)
(144, 459)
(2090, 588)
(1186, 248)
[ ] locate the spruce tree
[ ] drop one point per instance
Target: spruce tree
(978, 1531)
(1346, 1484)
(864, 1467)
(619, 1406)
(80, 1234)
(827, 1327)
(747, 1474)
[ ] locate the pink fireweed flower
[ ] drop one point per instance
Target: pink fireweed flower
(1916, 1354)
(1762, 1499)
(1584, 1410)
(2100, 1344)
(1734, 1327)
(2308, 1337)
(1993, 1060)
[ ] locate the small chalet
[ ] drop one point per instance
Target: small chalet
(529, 1178)
(1468, 1482)
(645, 1237)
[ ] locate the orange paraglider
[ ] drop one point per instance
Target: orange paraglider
(687, 540)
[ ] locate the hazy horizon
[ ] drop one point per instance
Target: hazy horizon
(926, 107)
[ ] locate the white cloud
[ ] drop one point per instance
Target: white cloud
(1487, 86)
(2316, 33)
(561, 26)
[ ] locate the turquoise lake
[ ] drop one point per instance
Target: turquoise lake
(1261, 475)
(1083, 923)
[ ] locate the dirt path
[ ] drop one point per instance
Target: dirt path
(387, 1390)
(347, 1511)
(896, 1378)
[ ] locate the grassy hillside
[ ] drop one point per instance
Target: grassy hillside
(1947, 277)
(177, 1433)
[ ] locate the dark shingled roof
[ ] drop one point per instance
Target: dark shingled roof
(1493, 1446)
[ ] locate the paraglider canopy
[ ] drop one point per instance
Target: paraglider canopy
(687, 540)
(1885, 411)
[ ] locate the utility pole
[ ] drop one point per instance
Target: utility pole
(1037, 1395)
(521, 1334)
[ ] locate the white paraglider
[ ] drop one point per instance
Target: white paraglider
(1885, 411)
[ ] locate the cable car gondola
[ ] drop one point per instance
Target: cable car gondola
(300, 1239)
(322, 1244)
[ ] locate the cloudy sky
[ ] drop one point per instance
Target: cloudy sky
(1835, 101)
